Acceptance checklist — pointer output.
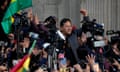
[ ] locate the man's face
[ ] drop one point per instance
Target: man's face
(67, 28)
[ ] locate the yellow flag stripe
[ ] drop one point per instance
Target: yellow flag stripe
(12, 19)
(25, 65)
(13, 1)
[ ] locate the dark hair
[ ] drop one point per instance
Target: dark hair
(36, 47)
(51, 19)
(64, 20)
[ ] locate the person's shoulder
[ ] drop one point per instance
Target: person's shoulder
(77, 31)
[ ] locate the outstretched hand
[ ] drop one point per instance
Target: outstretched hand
(90, 59)
(116, 63)
(91, 62)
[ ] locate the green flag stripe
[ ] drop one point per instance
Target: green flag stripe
(6, 26)
(24, 70)
(13, 8)
(32, 47)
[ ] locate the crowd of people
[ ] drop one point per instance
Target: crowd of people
(74, 50)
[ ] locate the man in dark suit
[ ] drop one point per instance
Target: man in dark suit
(71, 43)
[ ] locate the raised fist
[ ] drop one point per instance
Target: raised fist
(83, 12)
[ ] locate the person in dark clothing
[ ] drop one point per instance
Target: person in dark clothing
(71, 42)
(71, 38)
(11, 50)
(83, 50)
(35, 58)
(69, 54)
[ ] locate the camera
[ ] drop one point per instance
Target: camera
(116, 35)
(115, 38)
(21, 25)
(82, 63)
(96, 30)
(21, 19)
(92, 27)
(51, 22)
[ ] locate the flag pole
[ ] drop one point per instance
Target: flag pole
(32, 47)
